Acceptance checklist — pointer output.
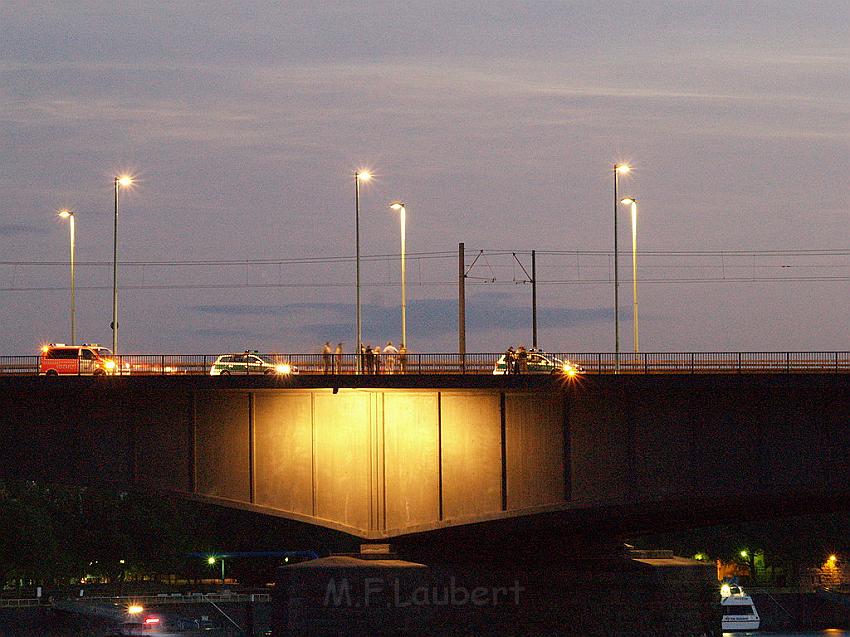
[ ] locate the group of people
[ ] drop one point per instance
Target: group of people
(332, 359)
(516, 360)
(373, 360)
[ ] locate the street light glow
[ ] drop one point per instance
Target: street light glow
(135, 609)
(623, 168)
(397, 205)
(125, 181)
(65, 213)
(210, 561)
(363, 175)
(628, 201)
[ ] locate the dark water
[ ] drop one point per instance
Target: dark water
(829, 632)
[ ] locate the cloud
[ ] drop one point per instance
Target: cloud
(17, 229)
(430, 318)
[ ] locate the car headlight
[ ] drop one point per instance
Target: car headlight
(283, 369)
(109, 364)
(569, 370)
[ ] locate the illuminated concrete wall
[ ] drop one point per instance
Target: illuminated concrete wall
(379, 461)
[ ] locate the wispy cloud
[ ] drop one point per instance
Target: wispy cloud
(18, 229)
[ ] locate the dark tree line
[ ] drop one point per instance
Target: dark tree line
(55, 534)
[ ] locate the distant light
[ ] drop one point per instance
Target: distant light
(699, 556)
(397, 205)
(623, 168)
(363, 175)
(744, 554)
(283, 369)
(120, 561)
(628, 201)
(135, 609)
(124, 181)
(210, 560)
(151, 620)
(65, 213)
(286, 559)
(725, 591)
(833, 558)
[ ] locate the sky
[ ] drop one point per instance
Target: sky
(496, 122)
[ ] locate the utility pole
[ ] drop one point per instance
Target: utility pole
(461, 303)
(533, 300)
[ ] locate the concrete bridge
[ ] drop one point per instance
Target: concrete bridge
(390, 456)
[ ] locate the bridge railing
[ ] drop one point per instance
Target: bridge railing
(474, 363)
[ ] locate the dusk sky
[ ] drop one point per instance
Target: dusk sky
(496, 122)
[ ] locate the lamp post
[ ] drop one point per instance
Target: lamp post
(619, 169)
(399, 205)
(69, 215)
(631, 201)
(120, 181)
(364, 176)
(211, 562)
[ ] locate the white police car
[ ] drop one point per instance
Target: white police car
(246, 363)
(540, 363)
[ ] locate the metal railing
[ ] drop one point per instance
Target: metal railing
(469, 364)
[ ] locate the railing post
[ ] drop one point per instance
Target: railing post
(162, 366)
(739, 362)
(787, 362)
(692, 362)
(645, 364)
(598, 363)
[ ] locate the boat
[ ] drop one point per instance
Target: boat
(739, 611)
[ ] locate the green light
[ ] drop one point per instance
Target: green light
(744, 554)
(699, 556)
(211, 560)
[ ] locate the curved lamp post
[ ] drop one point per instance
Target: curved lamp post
(120, 181)
(399, 206)
(631, 201)
(69, 215)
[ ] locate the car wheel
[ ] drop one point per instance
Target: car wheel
(225, 373)
(99, 372)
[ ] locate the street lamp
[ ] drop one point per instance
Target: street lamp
(619, 169)
(631, 201)
(120, 181)
(68, 214)
(364, 176)
(399, 205)
(211, 562)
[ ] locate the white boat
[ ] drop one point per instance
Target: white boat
(739, 612)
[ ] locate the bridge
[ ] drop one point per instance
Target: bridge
(406, 456)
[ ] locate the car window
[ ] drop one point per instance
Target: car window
(256, 360)
(87, 355)
(225, 359)
(239, 359)
(65, 352)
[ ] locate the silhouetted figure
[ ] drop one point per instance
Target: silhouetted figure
(326, 357)
(338, 358)
(390, 356)
(509, 360)
(402, 358)
(522, 359)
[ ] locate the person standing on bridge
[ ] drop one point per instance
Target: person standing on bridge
(326, 357)
(338, 358)
(509, 360)
(390, 356)
(402, 358)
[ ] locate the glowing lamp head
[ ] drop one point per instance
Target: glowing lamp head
(65, 213)
(832, 559)
(110, 365)
(622, 168)
(284, 369)
(124, 181)
(725, 591)
(628, 201)
(363, 175)
(44, 349)
(397, 205)
(135, 609)
(210, 561)
(744, 554)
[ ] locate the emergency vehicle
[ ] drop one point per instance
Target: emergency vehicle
(250, 362)
(88, 359)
